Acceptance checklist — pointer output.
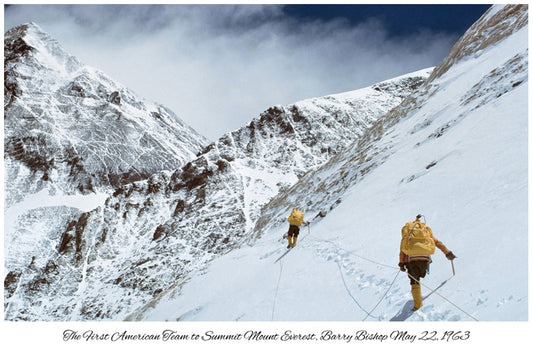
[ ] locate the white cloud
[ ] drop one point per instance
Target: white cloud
(217, 67)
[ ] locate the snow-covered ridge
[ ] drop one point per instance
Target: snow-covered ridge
(29, 40)
(499, 22)
(71, 129)
(241, 171)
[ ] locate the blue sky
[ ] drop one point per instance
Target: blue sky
(218, 66)
(399, 20)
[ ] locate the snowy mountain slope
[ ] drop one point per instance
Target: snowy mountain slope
(455, 152)
(68, 128)
(151, 235)
(367, 155)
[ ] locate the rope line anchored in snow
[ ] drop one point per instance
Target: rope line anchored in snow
(280, 273)
(277, 288)
(350, 294)
(377, 304)
(389, 266)
(368, 314)
(444, 298)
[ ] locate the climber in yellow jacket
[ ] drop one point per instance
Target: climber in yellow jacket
(416, 248)
(296, 219)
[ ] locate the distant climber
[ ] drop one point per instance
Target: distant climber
(416, 248)
(296, 219)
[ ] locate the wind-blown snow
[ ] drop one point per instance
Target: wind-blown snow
(459, 158)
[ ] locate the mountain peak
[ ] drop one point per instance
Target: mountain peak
(29, 43)
(65, 123)
(20, 31)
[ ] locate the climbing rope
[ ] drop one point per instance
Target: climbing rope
(350, 294)
(280, 273)
(389, 266)
(277, 288)
(369, 314)
(444, 298)
(377, 304)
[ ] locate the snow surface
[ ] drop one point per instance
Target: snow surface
(460, 159)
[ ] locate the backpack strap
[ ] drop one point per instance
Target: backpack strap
(411, 231)
(415, 223)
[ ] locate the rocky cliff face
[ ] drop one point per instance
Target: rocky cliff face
(71, 129)
(152, 234)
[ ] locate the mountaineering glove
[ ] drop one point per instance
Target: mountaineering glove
(450, 256)
(402, 266)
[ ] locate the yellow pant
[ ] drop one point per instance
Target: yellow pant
(416, 291)
(292, 240)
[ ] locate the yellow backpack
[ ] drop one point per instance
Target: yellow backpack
(296, 217)
(417, 239)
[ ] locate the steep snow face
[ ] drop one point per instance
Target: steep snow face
(456, 151)
(505, 72)
(151, 235)
(71, 129)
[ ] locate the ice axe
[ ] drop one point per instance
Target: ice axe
(451, 257)
(453, 268)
